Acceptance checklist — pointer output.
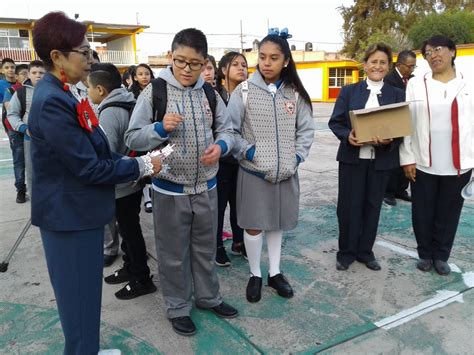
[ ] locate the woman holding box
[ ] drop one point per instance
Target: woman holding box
(363, 167)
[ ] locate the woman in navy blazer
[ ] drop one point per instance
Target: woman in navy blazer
(363, 168)
(74, 173)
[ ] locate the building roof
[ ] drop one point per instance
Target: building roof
(98, 31)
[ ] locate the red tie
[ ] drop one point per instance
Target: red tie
(405, 81)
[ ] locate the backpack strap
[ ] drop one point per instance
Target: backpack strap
(211, 97)
(245, 91)
(159, 99)
(129, 106)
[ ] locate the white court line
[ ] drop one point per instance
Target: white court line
(468, 278)
(443, 298)
(413, 254)
(4, 160)
(3, 139)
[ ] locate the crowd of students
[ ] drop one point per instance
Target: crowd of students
(236, 141)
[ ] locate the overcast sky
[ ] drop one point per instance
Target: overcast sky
(316, 21)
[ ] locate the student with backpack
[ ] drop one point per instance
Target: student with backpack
(272, 120)
(115, 106)
(141, 77)
(231, 72)
(19, 109)
(178, 108)
(7, 88)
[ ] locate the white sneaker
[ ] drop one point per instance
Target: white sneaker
(109, 352)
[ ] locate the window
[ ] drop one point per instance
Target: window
(338, 77)
(13, 38)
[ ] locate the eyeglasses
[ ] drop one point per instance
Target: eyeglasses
(435, 50)
(411, 67)
(181, 64)
(88, 53)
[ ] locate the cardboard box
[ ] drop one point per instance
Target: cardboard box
(389, 121)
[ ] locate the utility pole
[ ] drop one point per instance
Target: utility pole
(241, 38)
(138, 21)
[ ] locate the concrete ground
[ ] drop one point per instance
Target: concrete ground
(398, 310)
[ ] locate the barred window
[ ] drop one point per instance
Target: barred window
(339, 77)
(13, 38)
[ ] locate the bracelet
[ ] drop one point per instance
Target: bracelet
(148, 165)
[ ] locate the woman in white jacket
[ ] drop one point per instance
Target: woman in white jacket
(439, 156)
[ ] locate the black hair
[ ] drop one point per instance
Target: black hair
(136, 89)
(7, 60)
(35, 64)
(442, 41)
(289, 74)
(95, 55)
(125, 77)
(404, 55)
(106, 75)
(379, 47)
(20, 67)
(225, 62)
(193, 38)
(213, 61)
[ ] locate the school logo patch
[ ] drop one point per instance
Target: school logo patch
(290, 107)
(207, 109)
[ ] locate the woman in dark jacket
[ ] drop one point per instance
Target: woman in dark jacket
(74, 176)
(363, 167)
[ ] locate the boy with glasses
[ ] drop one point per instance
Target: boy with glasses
(185, 194)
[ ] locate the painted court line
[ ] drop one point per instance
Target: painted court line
(442, 299)
(4, 160)
(413, 254)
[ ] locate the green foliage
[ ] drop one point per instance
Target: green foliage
(369, 20)
(459, 26)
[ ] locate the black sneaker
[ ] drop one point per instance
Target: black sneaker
(148, 207)
(239, 249)
(21, 197)
(136, 289)
(221, 257)
(118, 277)
(253, 292)
(183, 325)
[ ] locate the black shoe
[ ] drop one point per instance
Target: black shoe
(118, 277)
(109, 259)
(373, 265)
(390, 201)
(183, 325)
(342, 266)
(281, 285)
(221, 257)
(148, 207)
(254, 289)
(225, 310)
(239, 249)
(442, 267)
(424, 264)
(404, 196)
(21, 197)
(136, 289)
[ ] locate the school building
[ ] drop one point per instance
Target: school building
(115, 43)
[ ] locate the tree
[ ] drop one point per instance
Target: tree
(458, 25)
(369, 18)
(394, 38)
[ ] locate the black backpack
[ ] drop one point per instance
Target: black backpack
(160, 99)
(21, 94)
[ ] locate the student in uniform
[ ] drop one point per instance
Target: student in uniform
(273, 123)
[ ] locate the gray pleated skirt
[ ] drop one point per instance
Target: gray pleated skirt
(262, 205)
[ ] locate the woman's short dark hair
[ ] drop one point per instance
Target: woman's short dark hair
(379, 47)
(437, 41)
(56, 31)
